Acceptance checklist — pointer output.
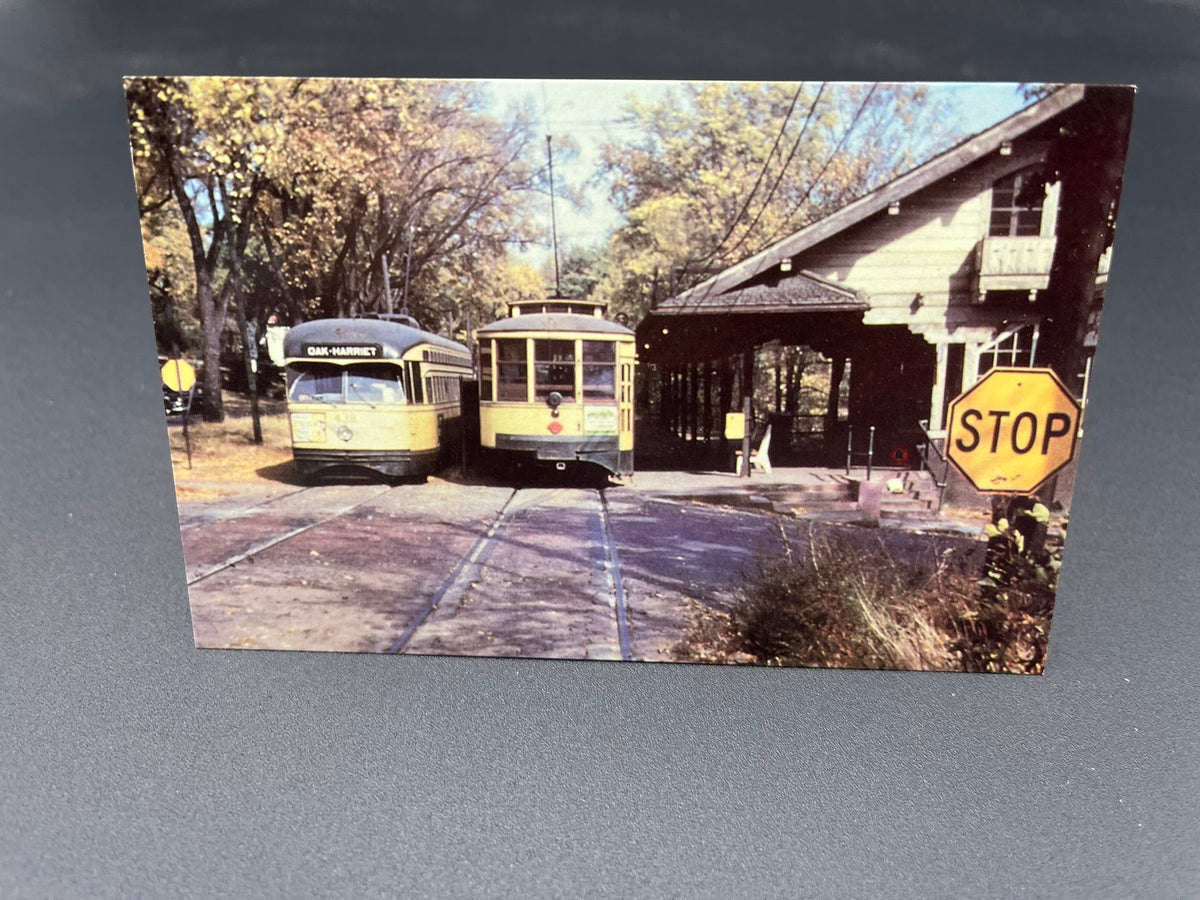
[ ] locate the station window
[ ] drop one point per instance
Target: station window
(1015, 348)
(1017, 205)
(599, 370)
(554, 368)
(512, 370)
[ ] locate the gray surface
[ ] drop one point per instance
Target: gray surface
(131, 764)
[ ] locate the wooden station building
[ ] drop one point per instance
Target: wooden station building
(912, 293)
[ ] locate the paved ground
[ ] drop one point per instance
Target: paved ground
(455, 566)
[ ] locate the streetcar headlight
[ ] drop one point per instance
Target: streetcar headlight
(344, 433)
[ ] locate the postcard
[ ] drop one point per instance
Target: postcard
(784, 374)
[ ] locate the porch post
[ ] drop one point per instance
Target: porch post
(970, 365)
(938, 398)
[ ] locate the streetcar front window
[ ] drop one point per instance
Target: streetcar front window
(599, 370)
(554, 369)
(318, 382)
(511, 370)
(374, 384)
(325, 383)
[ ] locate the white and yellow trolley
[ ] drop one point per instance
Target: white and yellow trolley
(373, 394)
(556, 386)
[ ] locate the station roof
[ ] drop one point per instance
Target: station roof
(800, 292)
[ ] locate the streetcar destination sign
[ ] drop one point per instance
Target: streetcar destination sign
(1013, 430)
(342, 351)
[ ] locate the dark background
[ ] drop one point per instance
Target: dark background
(131, 763)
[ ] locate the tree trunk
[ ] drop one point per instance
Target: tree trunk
(210, 330)
(1090, 161)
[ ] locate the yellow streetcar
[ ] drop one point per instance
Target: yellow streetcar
(373, 394)
(556, 386)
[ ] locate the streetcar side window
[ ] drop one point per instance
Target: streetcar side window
(485, 371)
(321, 382)
(414, 379)
(599, 370)
(512, 374)
(554, 368)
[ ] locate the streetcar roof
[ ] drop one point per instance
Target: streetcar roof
(392, 338)
(554, 322)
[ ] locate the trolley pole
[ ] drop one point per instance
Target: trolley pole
(387, 284)
(408, 267)
(553, 218)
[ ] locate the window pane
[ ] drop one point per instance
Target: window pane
(373, 384)
(599, 351)
(316, 381)
(1016, 206)
(599, 382)
(512, 370)
(485, 371)
(554, 368)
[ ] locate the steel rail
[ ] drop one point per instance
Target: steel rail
(279, 539)
(612, 564)
(464, 573)
(224, 515)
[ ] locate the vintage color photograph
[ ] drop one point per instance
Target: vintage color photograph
(784, 374)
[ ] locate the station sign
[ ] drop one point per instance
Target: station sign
(1013, 430)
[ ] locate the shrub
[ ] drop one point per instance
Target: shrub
(846, 600)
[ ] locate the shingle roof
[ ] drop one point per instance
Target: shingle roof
(799, 292)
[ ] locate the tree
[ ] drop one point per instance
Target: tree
(183, 148)
(292, 194)
(1088, 160)
(724, 170)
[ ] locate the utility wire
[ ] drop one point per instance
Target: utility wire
(832, 156)
(779, 178)
(821, 174)
(761, 175)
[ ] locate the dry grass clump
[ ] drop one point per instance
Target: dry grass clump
(847, 601)
(226, 452)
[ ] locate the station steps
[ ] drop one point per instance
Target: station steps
(919, 499)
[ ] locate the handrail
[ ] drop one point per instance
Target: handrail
(869, 454)
(923, 450)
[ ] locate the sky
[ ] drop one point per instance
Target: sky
(589, 113)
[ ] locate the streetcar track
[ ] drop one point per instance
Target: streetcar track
(613, 566)
(279, 539)
(470, 567)
(472, 562)
(242, 511)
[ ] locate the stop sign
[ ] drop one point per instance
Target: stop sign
(1013, 430)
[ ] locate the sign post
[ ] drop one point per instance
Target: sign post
(1013, 430)
(179, 376)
